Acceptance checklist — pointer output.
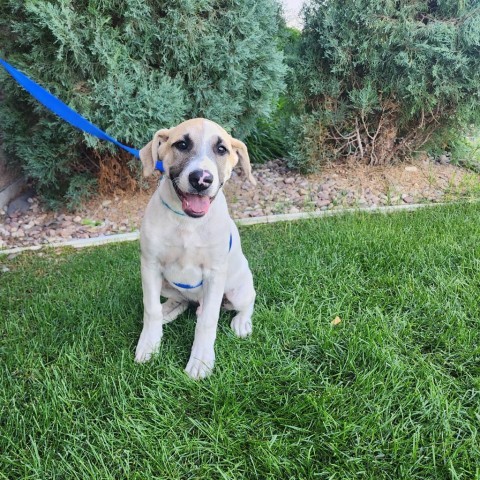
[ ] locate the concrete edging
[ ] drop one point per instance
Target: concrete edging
(287, 217)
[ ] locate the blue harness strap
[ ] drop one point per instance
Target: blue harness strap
(186, 286)
(64, 111)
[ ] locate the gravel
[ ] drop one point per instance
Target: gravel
(279, 190)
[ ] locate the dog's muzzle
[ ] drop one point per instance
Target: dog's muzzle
(196, 202)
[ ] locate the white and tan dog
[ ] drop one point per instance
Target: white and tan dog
(191, 250)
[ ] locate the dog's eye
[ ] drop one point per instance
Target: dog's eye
(221, 150)
(181, 145)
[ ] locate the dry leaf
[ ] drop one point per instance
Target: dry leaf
(336, 321)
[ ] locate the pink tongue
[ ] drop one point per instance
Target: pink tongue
(196, 203)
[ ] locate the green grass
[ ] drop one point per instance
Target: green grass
(466, 149)
(393, 391)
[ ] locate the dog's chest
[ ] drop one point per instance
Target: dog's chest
(183, 248)
(184, 260)
(185, 273)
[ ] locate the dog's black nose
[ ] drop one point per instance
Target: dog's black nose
(200, 179)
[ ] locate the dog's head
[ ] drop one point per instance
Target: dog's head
(198, 156)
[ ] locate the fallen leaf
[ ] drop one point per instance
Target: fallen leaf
(336, 321)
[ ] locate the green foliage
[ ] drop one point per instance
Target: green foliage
(462, 143)
(374, 80)
(266, 141)
(269, 140)
(80, 187)
(466, 149)
(132, 67)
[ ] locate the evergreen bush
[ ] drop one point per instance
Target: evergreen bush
(131, 67)
(266, 141)
(373, 80)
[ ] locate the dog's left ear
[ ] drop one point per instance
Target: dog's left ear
(149, 153)
(242, 155)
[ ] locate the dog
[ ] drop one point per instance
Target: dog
(190, 247)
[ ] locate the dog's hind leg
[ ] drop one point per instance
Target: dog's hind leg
(242, 322)
(172, 308)
(242, 299)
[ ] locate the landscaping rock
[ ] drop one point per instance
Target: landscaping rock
(279, 191)
(323, 203)
(19, 205)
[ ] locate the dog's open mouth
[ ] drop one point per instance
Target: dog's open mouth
(194, 205)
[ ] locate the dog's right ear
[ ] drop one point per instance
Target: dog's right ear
(149, 153)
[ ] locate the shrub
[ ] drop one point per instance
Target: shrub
(131, 67)
(266, 141)
(373, 80)
(465, 149)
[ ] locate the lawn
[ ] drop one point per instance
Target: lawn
(393, 391)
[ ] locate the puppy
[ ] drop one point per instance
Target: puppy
(190, 247)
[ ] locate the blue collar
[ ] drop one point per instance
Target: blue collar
(172, 209)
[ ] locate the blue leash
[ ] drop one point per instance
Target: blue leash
(64, 111)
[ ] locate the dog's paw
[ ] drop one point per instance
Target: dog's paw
(149, 342)
(241, 325)
(200, 364)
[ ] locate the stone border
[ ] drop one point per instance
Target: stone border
(286, 217)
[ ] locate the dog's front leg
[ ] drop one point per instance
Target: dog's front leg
(152, 331)
(202, 357)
